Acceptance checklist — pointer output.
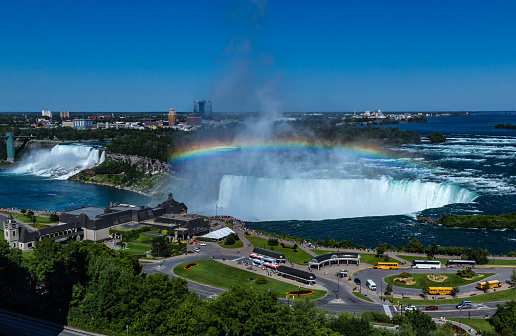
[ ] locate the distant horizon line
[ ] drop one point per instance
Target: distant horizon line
(287, 112)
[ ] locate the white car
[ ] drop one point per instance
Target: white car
(410, 308)
(202, 244)
(196, 249)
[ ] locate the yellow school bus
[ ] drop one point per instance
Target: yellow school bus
(440, 290)
(489, 284)
(386, 265)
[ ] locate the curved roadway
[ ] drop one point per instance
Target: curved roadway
(346, 301)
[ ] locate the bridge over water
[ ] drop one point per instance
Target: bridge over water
(9, 136)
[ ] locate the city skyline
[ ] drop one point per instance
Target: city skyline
(249, 56)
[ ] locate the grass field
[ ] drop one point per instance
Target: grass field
(137, 246)
(362, 296)
(213, 273)
(25, 219)
(477, 324)
(237, 244)
(500, 262)
(409, 259)
(453, 280)
(499, 295)
(299, 257)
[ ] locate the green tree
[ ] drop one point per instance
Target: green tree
(388, 289)
(421, 322)
(415, 246)
(54, 217)
(273, 242)
(160, 247)
(513, 278)
(380, 250)
(349, 325)
(432, 251)
(504, 320)
(230, 240)
(23, 211)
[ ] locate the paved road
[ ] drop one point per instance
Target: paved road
(347, 300)
(378, 275)
(21, 325)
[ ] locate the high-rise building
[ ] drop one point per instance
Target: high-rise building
(172, 117)
(45, 113)
(202, 108)
(64, 114)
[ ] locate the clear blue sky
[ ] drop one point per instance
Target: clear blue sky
(256, 55)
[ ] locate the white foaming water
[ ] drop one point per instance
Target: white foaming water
(267, 199)
(60, 162)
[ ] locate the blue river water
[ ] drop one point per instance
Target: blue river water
(476, 157)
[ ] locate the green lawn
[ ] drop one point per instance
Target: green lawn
(477, 324)
(137, 246)
(453, 280)
(371, 259)
(28, 254)
(501, 262)
(25, 219)
(499, 295)
(362, 296)
(299, 257)
(409, 259)
(237, 244)
(213, 273)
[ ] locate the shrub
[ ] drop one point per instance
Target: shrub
(230, 240)
(399, 319)
(466, 273)
(261, 281)
(376, 317)
(273, 242)
(405, 275)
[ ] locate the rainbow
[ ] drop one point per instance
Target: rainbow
(214, 149)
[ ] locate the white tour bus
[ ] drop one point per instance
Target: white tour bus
(426, 264)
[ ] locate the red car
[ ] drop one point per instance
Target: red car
(432, 308)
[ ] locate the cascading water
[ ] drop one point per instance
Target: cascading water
(266, 199)
(60, 162)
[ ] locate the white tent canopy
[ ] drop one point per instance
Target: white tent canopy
(219, 234)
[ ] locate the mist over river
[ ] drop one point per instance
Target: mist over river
(318, 194)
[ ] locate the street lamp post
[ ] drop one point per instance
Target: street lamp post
(158, 249)
(94, 234)
(381, 288)
(338, 286)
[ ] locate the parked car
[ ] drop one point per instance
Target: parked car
(357, 281)
(410, 308)
(432, 308)
(202, 244)
(196, 249)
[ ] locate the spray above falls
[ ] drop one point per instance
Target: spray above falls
(61, 161)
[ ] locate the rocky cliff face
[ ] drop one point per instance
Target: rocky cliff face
(151, 165)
